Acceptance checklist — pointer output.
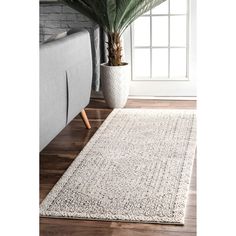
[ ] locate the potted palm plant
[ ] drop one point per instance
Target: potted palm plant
(114, 16)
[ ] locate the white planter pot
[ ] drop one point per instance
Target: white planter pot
(115, 84)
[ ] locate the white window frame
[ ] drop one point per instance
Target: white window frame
(184, 87)
(151, 47)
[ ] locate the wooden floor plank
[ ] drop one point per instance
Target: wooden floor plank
(61, 152)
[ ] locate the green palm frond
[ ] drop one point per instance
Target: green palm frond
(113, 15)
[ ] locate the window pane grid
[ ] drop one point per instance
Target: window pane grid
(180, 46)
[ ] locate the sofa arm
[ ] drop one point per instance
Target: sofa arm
(65, 82)
(79, 75)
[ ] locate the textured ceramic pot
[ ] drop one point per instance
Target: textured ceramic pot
(115, 84)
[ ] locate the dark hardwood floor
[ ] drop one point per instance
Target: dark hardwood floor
(59, 154)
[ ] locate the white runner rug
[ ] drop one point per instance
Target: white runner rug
(137, 168)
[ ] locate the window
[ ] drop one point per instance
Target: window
(160, 43)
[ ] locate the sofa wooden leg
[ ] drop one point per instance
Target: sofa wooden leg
(85, 119)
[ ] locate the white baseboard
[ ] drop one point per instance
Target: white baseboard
(193, 98)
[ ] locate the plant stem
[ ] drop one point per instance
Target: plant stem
(114, 50)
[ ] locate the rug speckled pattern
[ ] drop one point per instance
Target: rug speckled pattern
(136, 168)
